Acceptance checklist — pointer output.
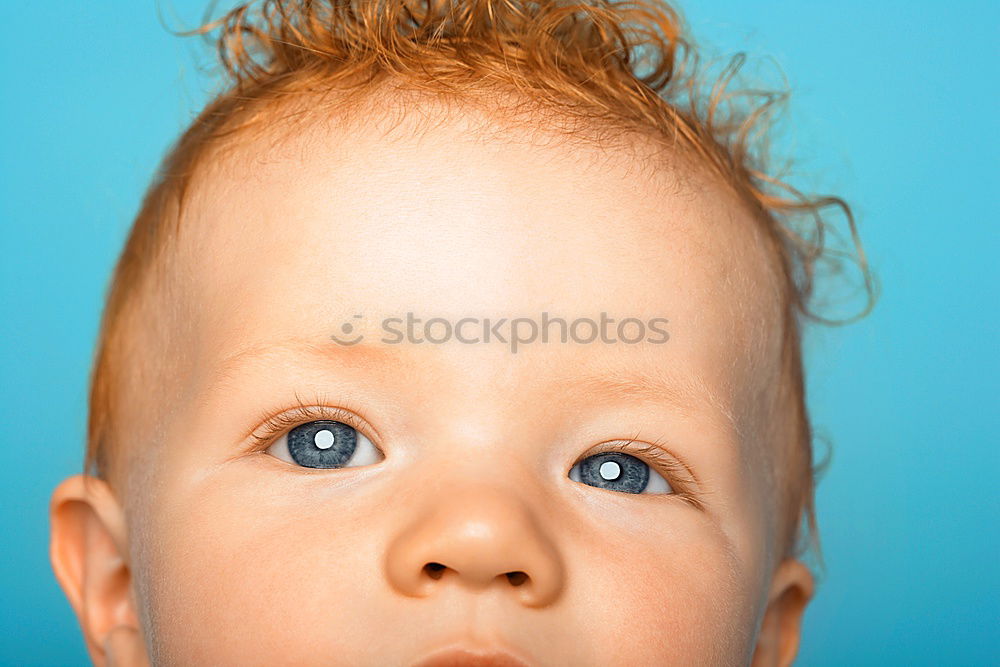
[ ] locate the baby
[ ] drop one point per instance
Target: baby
(451, 333)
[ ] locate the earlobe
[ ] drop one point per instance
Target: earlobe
(791, 589)
(89, 554)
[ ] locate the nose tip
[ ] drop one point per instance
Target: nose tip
(481, 540)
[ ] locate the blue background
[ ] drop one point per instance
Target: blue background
(894, 107)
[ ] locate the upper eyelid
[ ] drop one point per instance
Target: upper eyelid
(275, 425)
(664, 458)
(645, 447)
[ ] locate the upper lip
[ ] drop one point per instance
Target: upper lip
(471, 656)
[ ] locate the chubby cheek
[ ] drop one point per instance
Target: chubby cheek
(258, 580)
(673, 597)
(274, 569)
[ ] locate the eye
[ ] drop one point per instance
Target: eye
(618, 471)
(325, 443)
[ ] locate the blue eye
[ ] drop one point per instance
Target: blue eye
(325, 443)
(618, 471)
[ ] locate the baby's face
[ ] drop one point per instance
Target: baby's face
(576, 503)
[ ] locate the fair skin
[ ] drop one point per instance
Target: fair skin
(222, 550)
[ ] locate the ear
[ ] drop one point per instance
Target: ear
(791, 589)
(89, 553)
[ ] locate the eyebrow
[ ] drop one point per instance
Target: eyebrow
(690, 395)
(362, 355)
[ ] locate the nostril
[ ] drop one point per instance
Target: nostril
(434, 570)
(517, 578)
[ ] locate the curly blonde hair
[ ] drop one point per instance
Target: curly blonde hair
(596, 67)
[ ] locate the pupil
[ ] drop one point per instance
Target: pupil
(610, 470)
(323, 439)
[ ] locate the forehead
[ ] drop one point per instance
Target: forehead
(288, 241)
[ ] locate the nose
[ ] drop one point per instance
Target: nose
(478, 537)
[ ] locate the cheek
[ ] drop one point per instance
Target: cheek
(258, 578)
(671, 598)
(271, 569)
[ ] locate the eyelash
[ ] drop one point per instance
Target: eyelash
(680, 477)
(274, 425)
